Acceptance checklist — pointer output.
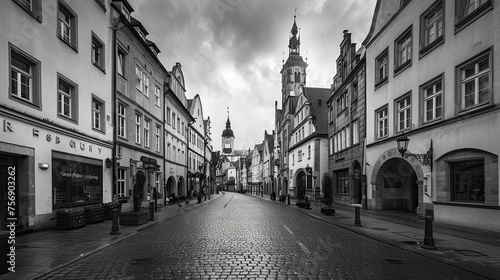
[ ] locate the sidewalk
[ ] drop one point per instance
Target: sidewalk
(42, 251)
(474, 250)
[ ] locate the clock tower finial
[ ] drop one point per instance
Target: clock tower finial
(227, 137)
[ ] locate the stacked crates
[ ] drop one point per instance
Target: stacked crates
(70, 218)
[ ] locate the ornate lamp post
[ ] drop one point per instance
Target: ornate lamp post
(423, 159)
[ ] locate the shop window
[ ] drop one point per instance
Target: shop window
(342, 179)
(475, 82)
(467, 11)
(24, 78)
(67, 99)
(97, 52)
(467, 181)
(67, 27)
(76, 180)
(432, 28)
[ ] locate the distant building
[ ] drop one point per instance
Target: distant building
(347, 125)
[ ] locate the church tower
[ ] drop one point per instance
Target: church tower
(227, 138)
(293, 73)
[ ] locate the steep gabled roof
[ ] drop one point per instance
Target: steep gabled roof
(319, 109)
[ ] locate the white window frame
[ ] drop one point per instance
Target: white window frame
(157, 96)
(432, 93)
(475, 79)
(355, 132)
(147, 132)
(138, 78)
(145, 85)
(382, 117)
(17, 76)
(403, 113)
(122, 121)
(138, 121)
(158, 139)
(382, 67)
(97, 107)
(122, 182)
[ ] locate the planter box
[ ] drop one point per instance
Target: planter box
(328, 211)
(134, 219)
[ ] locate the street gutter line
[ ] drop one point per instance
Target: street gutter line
(304, 248)
(287, 229)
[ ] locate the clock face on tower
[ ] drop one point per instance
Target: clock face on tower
(227, 143)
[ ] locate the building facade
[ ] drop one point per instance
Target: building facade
(430, 76)
(196, 152)
(346, 125)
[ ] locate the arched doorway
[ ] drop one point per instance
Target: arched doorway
(170, 187)
(300, 183)
(180, 187)
(398, 181)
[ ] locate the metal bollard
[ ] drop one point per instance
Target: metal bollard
(115, 227)
(428, 239)
(151, 211)
(288, 199)
(357, 215)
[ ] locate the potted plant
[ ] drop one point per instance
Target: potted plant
(137, 217)
(327, 201)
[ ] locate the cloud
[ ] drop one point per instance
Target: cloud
(232, 51)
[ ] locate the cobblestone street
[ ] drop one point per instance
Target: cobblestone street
(241, 236)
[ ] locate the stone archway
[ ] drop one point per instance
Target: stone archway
(170, 186)
(300, 184)
(397, 183)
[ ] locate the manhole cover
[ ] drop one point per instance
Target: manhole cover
(377, 228)
(470, 253)
(412, 242)
(394, 261)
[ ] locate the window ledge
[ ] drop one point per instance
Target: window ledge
(381, 83)
(100, 68)
(68, 43)
(467, 204)
(467, 20)
(30, 12)
(430, 47)
(475, 108)
(402, 67)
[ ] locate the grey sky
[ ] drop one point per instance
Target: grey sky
(231, 51)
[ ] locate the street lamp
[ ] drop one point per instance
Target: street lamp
(423, 159)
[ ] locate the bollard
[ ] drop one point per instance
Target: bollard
(151, 211)
(357, 217)
(428, 239)
(115, 227)
(288, 199)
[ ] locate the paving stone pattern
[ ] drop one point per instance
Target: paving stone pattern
(241, 236)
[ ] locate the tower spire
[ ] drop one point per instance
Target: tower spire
(294, 44)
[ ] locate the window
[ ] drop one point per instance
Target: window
(381, 68)
(467, 181)
(342, 101)
(138, 119)
(467, 11)
(32, 7)
(168, 115)
(169, 152)
(157, 138)
(122, 120)
(309, 152)
(67, 25)
(157, 182)
(67, 99)
(403, 113)
(342, 186)
(342, 139)
(173, 120)
(475, 82)
(97, 52)
(145, 85)
(381, 117)
(138, 78)
(97, 114)
(330, 145)
(178, 124)
(147, 139)
(432, 93)
(299, 156)
(431, 27)
(157, 96)
(24, 78)
(120, 62)
(122, 182)
(354, 90)
(330, 114)
(402, 50)
(355, 132)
